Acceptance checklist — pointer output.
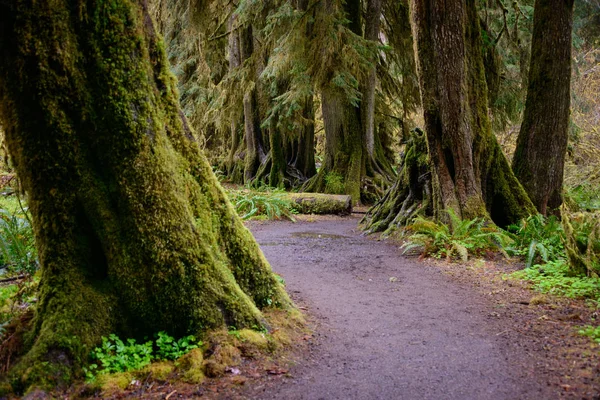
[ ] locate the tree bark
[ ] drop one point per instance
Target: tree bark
(255, 149)
(470, 173)
(133, 231)
(344, 162)
(235, 158)
(304, 157)
(542, 143)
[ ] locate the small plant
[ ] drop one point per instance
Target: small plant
(17, 246)
(170, 349)
(582, 231)
(234, 332)
(458, 239)
(537, 239)
(556, 277)
(116, 356)
(591, 331)
(334, 183)
(585, 196)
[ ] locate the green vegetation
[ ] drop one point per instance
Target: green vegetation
(115, 356)
(537, 239)
(584, 196)
(582, 231)
(18, 254)
(557, 278)
(334, 183)
(459, 239)
(261, 203)
(170, 349)
(591, 331)
(17, 245)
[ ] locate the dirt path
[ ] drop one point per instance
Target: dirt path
(388, 327)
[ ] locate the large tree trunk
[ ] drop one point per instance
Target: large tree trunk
(344, 162)
(303, 153)
(255, 149)
(376, 163)
(235, 159)
(470, 174)
(542, 144)
(134, 233)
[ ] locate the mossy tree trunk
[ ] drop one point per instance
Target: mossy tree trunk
(256, 155)
(411, 193)
(134, 233)
(539, 158)
(470, 173)
(235, 159)
(353, 152)
(343, 163)
(376, 163)
(466, 169)
(302, 154)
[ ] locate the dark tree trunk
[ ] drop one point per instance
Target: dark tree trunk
(344, 162)
(255, 149)
(542, 144)
(376, 162)
(134, 233)
(470, 174)
(304, 157)
(235, 158)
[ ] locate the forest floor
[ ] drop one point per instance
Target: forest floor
(388, 326)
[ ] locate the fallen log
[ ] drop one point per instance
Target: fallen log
(319, 203)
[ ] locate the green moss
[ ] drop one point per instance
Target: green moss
(113, 383)
(160, 371)
(135, 235)
(191, 367)
(254, 339)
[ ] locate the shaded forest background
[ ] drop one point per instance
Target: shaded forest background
(255, 81)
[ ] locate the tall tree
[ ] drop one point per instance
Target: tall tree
(346, 150)
(542, 143)
(134, 233)
(470, 174)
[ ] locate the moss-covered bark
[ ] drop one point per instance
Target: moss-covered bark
(354, 152)
(542, 143)
(470, 173)
(411, 193)
(134, 233)
(344, 161)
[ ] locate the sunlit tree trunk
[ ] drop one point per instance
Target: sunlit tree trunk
(134, 233)
(542, 144)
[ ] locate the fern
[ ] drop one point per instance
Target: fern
(537, 239)
(457, 240)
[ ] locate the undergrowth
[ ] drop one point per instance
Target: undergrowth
(592, 331)
(261, 203)
(114, 355)
(18, 254)
(456, 240)
(537, 239)
(557, 278)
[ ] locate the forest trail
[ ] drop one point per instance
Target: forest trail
(387, 326)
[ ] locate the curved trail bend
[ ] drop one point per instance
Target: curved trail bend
(388, 327)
